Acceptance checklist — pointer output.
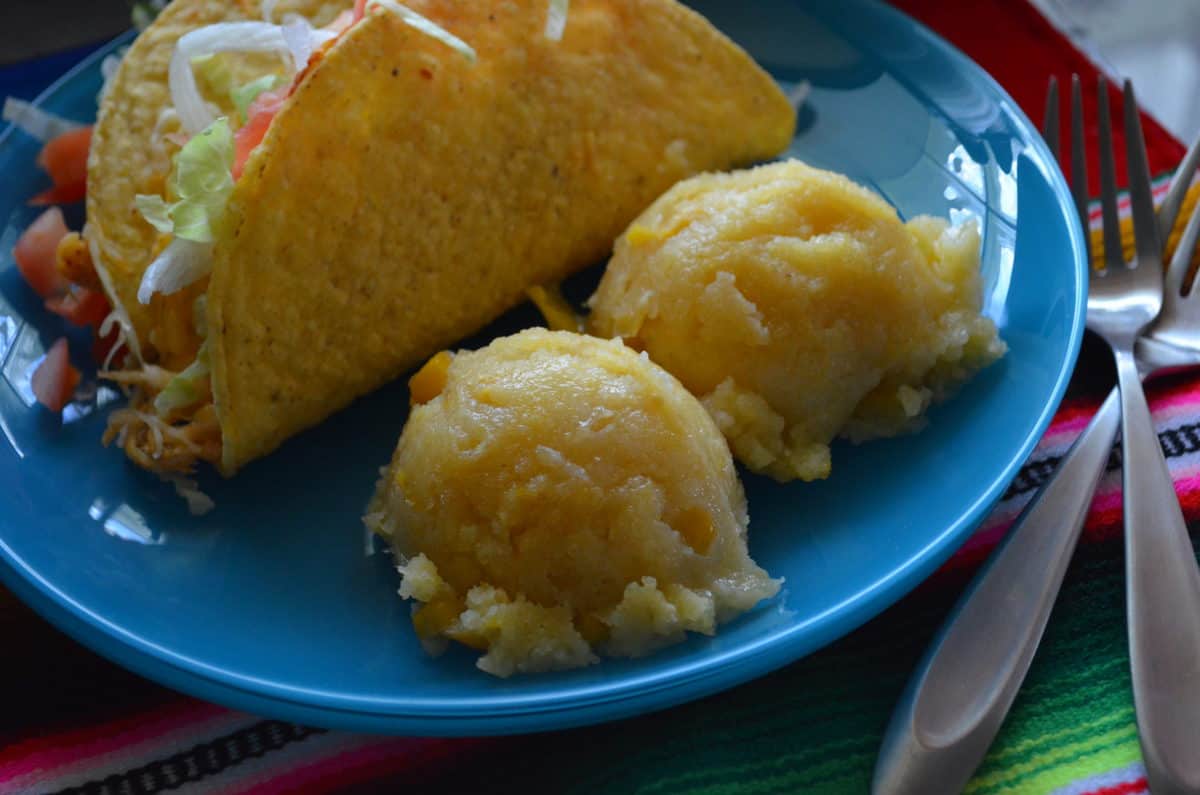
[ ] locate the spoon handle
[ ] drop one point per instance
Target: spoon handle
(1162, 600)
(960, 693)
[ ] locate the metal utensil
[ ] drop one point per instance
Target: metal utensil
(960, 693)
(1162, 582)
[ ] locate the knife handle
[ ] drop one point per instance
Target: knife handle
(961, 691)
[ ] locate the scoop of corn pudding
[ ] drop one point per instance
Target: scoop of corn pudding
(554, 497)
(799, 307)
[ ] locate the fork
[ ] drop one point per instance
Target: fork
(959, 694)
(1162, 581)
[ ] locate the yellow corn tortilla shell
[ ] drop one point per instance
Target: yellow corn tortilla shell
(127, 157)
(405, 197)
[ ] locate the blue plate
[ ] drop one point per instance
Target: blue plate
(278, 604)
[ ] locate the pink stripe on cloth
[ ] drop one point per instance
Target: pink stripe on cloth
(1187, 480)
(76, 757)
(1069, 421)
(355, 759)
(1107, 497)
(1184, 393)
(1073, 419)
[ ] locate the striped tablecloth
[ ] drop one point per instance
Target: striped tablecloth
(71, 722)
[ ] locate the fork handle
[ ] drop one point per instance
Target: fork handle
(960, 693)
(1162, 600)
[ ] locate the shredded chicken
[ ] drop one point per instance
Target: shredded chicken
(150, 377)
(165, 445)
(160, 445)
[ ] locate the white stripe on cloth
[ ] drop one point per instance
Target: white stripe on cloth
(1113, 778)
(131, 757)
(258, 771)
(1157, 186)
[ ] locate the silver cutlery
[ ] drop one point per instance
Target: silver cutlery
(1162, 582)
(959, 694)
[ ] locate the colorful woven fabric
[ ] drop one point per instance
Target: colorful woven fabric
(70, 722)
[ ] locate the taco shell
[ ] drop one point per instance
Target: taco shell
(404, 197)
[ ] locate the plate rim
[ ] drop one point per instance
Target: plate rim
(627, 696)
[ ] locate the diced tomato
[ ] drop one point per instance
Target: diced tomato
(35, 253)
(258, 119)
(266, 105)
(64, 194)
(65, 159)
(80, 306)
(342, 22)
(54, 380)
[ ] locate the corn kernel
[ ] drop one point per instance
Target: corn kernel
(430, 380)
(474, 640)
(557, 312)
(641, 235)
(435, 618)
(73, 260)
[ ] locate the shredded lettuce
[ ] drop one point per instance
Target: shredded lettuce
(298, 35)
(181, 263)
(426, 26)
(798, 94)
(145, 11)
(156, 212)
(119, 316)
(186, 387)
(214, 71)
(34, 121)
(556, 19)
(201, 179)
(194, 112)
(108, 70)
(198, 502)
(244, 95)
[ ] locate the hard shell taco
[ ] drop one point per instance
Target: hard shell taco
(286, 214)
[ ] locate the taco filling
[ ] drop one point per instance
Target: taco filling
(213, 126)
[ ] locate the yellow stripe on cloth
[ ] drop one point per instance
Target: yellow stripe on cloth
(1097, 233)
(1060, 766)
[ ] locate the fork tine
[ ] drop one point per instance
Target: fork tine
(1079, 178)
(1113, 257)
(1182, 261)
(1168, 211)
(1141, 198)
(1050, 129)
